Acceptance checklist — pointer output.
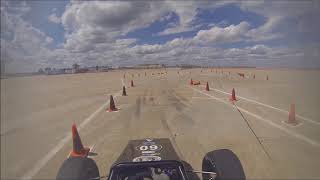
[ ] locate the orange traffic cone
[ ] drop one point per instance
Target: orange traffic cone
(207, 87)
(292, 115)
(124, 93)
(78, 149)
(112, 106)
(191, 82)
(132, 83)
(233, 95)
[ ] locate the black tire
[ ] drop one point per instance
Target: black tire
(78, 168)
(223, 162)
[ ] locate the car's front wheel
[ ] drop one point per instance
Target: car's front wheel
(78, 168)
(224, 163)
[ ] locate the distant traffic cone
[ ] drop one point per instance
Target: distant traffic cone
(78, 149)
(112, 106)
(124, 93)
(233, 95)
(207, 87)
(292, 115)
(191, 82)
(132, 83)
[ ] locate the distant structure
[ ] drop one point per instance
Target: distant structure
(149, 66)
(187, 66)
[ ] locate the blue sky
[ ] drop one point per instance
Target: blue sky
(39, 34)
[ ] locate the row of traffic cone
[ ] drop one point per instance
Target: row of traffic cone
(292, 116)
(78, 150)
(112, 106)
(292, 112)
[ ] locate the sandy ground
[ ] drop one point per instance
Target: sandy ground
(37, 113)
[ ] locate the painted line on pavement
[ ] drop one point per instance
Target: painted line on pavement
(294, 134)
(269, 106)
(43, 161)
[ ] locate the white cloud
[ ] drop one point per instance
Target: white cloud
(175, 30)
(107, 21)
(23, 47)
(231, 33)
(259, 49)
(304, 14)
(54, 18)
(187, 11)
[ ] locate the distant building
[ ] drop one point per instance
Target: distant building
(149, 66)
(68, 71)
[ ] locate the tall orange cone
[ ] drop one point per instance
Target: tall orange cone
(292, 115)
(132, 83)
(191, 82)
(78, 149)
(207, 87)
(233, 95)
(112, 106)
(124, 93)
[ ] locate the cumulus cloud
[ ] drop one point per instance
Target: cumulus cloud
(54, 18)
(278, 13)
(107, 21)
(259, 49)
(187, 12)
(23, 46)
(231, 33)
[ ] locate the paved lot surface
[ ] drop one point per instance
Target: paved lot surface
(37, 113)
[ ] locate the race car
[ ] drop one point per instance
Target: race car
(151, 159)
